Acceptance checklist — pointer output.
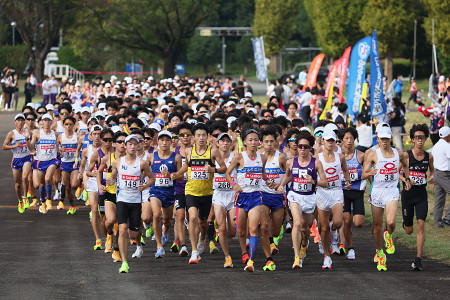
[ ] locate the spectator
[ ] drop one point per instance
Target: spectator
(46, 87)
(302, 76)
(33, 82)
(364, 140)
(6, 82)
(413, 90)
(398, 87)
(342, 109)
(53, 89)
(28, 90)
(305, 101)
(396, 121)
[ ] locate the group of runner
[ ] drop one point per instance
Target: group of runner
(234, 172)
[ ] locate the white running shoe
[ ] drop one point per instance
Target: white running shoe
(183, 251)
(56, 197)
(201, 247)
(327, 262)
(165, 238)
(160, 252)
(138, 253)
(194, 258)
(351, 254)
(334, 238)
(320, 246)
(334, 249)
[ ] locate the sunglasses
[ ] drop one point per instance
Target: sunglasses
(420, 137)
(215, 135)
(107, 140)
(292, 140)
(203, 112)
(338, 141)
(120, 142)
(69, 123)
(122, 123)
(133, 128)
(164, 111)
(41, 112)
(303, 146)
(249, 106)
(100, 118)
(237, 131)
(170, 106)
(31, 119)
(134, 107)
(64, 113)
(185, 135)
(318, 134)
(147, 138)
(111, 124)
(268, 116)
(175, 137)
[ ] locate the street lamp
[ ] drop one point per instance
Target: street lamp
(13, 24)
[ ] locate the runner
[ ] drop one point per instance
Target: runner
(330, 199)
(163, 163)
(302, 172)
(199, 187)
(384, 194)
(353, 199)
(45, 141)
(249, 165)
(30, 122)
(16, 140)
(128, 171)
(223, 199)
(418, 162)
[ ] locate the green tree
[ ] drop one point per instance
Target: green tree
(392, 20)
(274, 21)
(204, 51)
(336, 23)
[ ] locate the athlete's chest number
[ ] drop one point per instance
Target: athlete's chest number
(199, 175)
(301, 185)
(131, 183)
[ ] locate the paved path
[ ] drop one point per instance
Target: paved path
(51, 256)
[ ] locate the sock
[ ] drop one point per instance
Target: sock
(380, 253)
(271, 239)
(211, 231)
(183, 245)
(48, 191)
(116, 248)
(270, 258)
(138, 247)
(350, 248)
(388, 235)
(42, 193)
(63, 193)
(110, 233)
(252, 246)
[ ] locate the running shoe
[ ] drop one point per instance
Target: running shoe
(334, 249)
(280, 236)
(390, 248)
(228, 262)
(247, 243)
(160, 252)
(56, 197)
(116, 256)
(71, 210)
(417, 264)
(116, 229)
(313, 230)
(376, 258)
(194, 258)
(124, 268)
(183, 252)
(175, 248)
(153, 237)
(60, 205)
(85, 197)
(317, 237)
(216, 238)
(303, 249)
(48, 202)
(342, 250)
(273, 249)
(165, 238)
(201, 247)
(186, 223)
(139, 252)
(245, 258)
(98, 245)
(351, 254)
(35, 202)
(28, 194)
(78, 192)
(43, 208)
(87, 203)
(212, 248)
(327, 262)
(142, 241)
(149, 232)
(270, 266)
(320, 247)
(381, 266)
(133, 242)
(249, 266)
(108, 244)
(288, 227)
(296, 264)
(26, 203)
(334, 238)
(21, 207)
(90, 215)
(276, 240)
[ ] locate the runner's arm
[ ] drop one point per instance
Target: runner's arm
(287, 177)
(217, 158)
(7, 142)
(92, 163)
(179, 175)
(344, 167)
(431, 166)
(368, 172)
(405, 170)
(323, 178)
(112, 179)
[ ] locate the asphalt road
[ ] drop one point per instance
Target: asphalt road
(51, 256)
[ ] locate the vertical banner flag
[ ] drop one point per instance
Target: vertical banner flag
(363, 95)
(313, 71)
(377, 102)
(358, 60)
(258, 51)
(344, 64)
(329, 88)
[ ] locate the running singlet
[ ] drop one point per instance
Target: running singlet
(46, 146)
(105, 170)
(82, 127)
(22, 150)
(144, 179)
(90, 151)
(220, 183)
(180, 184)
(60, 128)
(128, 179)
(110, 188)
(387, 171)
(86, 141)
(70, 147)
(273, 173)
(249, 177)
(299, 184)
(159, 165)
(332, 171)
(418, 170)
(199, 182)
(355, 169)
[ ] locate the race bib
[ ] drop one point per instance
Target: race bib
(333, 179)
(353, 174)
(389, 173)
(302, 185)
(252, 179)
(163, 181)
(198, 173)
(131, 181)
(222, 184)
(419, 178)
(185, 176)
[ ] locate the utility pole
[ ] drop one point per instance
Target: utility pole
(415, 44)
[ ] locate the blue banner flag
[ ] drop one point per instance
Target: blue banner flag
(357, 70)
(258, 50)
(377, 103)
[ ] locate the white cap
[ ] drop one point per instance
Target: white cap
(444, 132)
(169, 92)
(108, 85)
(231, 120)
(165, 107)
(46, 116)
(384, 132)
(201, 95)
(85, 109)
(380, 125)
(164, 132)
(248, 95)
(144, 116)
(330, 126)
(211, 90)
(92, 119)
(155, 126)
(222, 135)
(329, 134)
(18, 116)
(131, 137)
(181, 95)
(197, 89)
(305, 129)
(96, 127)
(150, 78)
(78, 84)
(441, 78)
(192, 121)
(242, 100)
(49, 107)
(278, 112)
(318, 129)
(116, 129)
(253, 110)
(230, 103)
(102, 105)
(31, 104)
(239, 106)
(216, 96)
(100, 113)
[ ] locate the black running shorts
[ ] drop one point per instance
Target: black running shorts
(414, 198)
(180, 201)
(357, 199)
(202, 203)
(129, 213)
